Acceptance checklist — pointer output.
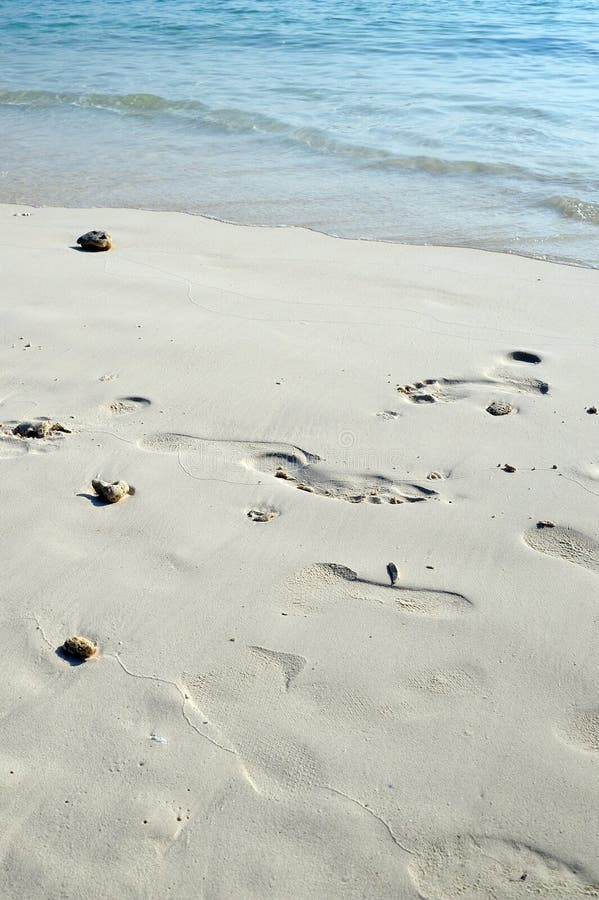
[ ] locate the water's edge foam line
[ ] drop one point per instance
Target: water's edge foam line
(550, 261)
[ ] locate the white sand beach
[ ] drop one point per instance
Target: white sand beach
(266, 716)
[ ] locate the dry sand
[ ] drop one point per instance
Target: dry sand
(266, 716)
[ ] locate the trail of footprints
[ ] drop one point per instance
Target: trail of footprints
(288, 725)
(239, 700)
(205, 457)
(320, 719)
(581, 730)
(288, 731)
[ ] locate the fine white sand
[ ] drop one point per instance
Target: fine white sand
(266, 717)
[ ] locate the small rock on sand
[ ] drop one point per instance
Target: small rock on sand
(38, 429)
(112, 492)
(499, 408)
(261, 515)
(95, 241)
(545, 523)
(508, 468)
(79, 647)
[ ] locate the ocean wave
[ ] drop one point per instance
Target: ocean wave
(574, 208)
(435, 165)
(133, 104)
(243, 121)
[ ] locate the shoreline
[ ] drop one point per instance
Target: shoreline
(562, 261)
(295, 412)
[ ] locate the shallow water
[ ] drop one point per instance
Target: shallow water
(456, 122)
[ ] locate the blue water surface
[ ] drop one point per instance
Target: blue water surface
(439, 121)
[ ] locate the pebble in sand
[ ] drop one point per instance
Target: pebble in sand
(499, 408)
(392, 572)
(79, 647)
(38, 429)
(95, 241)
(112, 492)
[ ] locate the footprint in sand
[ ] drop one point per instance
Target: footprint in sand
(442, 689)
(582, 730)
(565, 543)
(348, 708)
(287, 730)
(249, 705)
(204, 458)
(472, 867)
(432, 390)
(314, 476)
(380, 708)
(207, 457)
(324, 584)
(123, 406)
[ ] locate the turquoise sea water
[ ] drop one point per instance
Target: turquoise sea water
(428, 121)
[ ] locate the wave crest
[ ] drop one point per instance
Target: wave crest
(574, 208)
(240, 121)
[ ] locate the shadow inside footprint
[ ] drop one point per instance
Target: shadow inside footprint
(525, 357)
(139, 401)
